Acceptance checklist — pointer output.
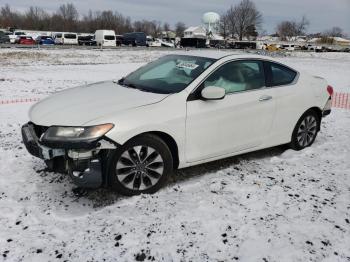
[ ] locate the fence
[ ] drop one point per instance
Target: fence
(341, 100)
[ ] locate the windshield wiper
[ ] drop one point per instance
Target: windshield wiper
(133, 86)
(121, 81)
(129, 85)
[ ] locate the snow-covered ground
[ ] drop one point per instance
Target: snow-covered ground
(271, 205)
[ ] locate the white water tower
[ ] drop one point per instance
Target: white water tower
(211, 21)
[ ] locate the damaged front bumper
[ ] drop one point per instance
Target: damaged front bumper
(83, 162)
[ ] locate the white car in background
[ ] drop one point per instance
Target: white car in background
(66, 39)
(153, 42)
(105, 38)
(14, 36)
(178, 111)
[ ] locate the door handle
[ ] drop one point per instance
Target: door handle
(265, 98)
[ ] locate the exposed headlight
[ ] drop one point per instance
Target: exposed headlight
(76, 134)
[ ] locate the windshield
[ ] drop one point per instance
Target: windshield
(167, 75)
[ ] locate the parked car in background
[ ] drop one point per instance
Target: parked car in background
(66, 39)
(215, 43)
(26, 40)
(105, 38)
(14, 36)
(135, 39)
(4, 38)
(118, 40)
(244, 45)
(193, 42)
(311, 47)
(273, 47)
(178, 111)
(45, 40)
(153, 42)
(166, 43)
(88, 40)
(288, 47)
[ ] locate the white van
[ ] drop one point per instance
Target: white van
(66, 39)
(105, 38)
(288, 47)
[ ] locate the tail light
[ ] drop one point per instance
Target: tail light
(330, 90)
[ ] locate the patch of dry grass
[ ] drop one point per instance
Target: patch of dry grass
(20, 55)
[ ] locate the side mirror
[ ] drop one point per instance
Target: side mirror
(213, 93)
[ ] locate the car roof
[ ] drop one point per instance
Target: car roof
(218, 54)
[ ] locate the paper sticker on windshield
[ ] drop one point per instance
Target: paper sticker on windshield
(187, 65)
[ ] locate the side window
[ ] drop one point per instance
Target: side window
(238, 76)
(281, 75)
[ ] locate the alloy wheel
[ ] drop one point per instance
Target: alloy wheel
(139, 167)
(307, 131)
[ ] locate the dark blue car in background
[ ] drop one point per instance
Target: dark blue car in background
(45, 40)
(135, 39)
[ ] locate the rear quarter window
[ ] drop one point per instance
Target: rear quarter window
(280, 75)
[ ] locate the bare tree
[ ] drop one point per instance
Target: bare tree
(180, 27)
(106, 20)
(87, 24)
(155, 28)
(9, 17)
(302, 25)
(36, 18)
(288, 29)
(334, 32)
(69, 17)
(231, 20)
(166, 27)
(242, 18)
(152, 28)
(224, 26)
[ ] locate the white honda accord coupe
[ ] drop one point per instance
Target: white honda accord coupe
(181, 110)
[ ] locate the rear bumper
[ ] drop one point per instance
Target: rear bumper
(327, 108)
(84, 166)
(326, 112)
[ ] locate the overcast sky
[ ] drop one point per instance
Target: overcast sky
(323, 14)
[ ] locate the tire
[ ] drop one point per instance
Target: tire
(306, 130)
(140, 166)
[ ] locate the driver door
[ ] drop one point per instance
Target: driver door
(240, 121)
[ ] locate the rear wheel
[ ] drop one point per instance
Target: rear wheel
(305, 130)
(142, 165)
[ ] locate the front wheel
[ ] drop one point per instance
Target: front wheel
(142, 165)
(305, 130)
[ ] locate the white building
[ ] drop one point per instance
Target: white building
(195, 32)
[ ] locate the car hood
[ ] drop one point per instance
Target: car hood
(79, 105)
